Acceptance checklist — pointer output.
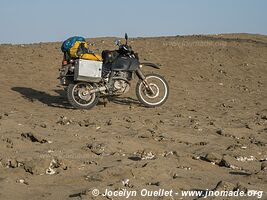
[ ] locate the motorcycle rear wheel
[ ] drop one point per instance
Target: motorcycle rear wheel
(78, 97)
(160, 92)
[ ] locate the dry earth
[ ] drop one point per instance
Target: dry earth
(211, 133)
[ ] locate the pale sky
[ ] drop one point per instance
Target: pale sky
(28, 21)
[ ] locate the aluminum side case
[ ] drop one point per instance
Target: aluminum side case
(88, 70)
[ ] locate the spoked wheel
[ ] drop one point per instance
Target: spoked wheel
(79, 95)
(152, 92)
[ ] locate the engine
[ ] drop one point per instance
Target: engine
(121, 82)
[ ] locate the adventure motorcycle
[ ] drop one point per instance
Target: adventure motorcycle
(112, 77)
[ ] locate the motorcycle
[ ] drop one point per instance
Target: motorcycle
(118, 68)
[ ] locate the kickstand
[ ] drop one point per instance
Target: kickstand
(105, 101)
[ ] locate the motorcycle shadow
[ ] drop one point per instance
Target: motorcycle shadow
(125, 101)
(59, 101)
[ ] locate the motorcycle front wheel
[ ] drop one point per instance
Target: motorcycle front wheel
(79, 96)
(153, 91)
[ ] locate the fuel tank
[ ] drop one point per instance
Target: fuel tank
(124, 63)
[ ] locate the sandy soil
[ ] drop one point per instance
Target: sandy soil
(211, 133)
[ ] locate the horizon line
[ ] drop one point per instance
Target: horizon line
(138, 37)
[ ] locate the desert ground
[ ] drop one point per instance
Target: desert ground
(211, 133)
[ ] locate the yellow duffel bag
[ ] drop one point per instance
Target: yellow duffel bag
(77, 49)
(91, 56)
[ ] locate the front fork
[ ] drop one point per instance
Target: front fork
(141, 76)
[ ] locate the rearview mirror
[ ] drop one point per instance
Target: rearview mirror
(126, 36)
(118, 42)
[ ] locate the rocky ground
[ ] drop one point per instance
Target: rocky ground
(211, 133)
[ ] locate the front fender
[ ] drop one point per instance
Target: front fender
(150, 65)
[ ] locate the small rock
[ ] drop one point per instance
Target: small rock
(147, 156)
(175, 175)
(162, 136)
(128, 119)
(52, 167)
(230, 162)
(143, 156)
(154, 183)
(196, 157)
(36, 166)
(125, 182)
(109, 122)
(211, 123)
(213, 157)
(86, 123)
(50, 171)
(22, 181)
(42, 166)
(78, 194)
(222, 71)
(144, 135)
(64, 121)
(151, 131)
(248, 126)
(94, 178)
(168, 153)
(220, 132)
(184, 167)
(96, 148)
(201, 143)
(43, 125)
(245, 159)
(33, 138)
(178, 115)
(12, 163)
(91, 162)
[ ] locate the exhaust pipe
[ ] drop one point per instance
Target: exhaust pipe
(99, 89)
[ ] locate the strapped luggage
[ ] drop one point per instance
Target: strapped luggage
(67, 44)
(77, 47)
